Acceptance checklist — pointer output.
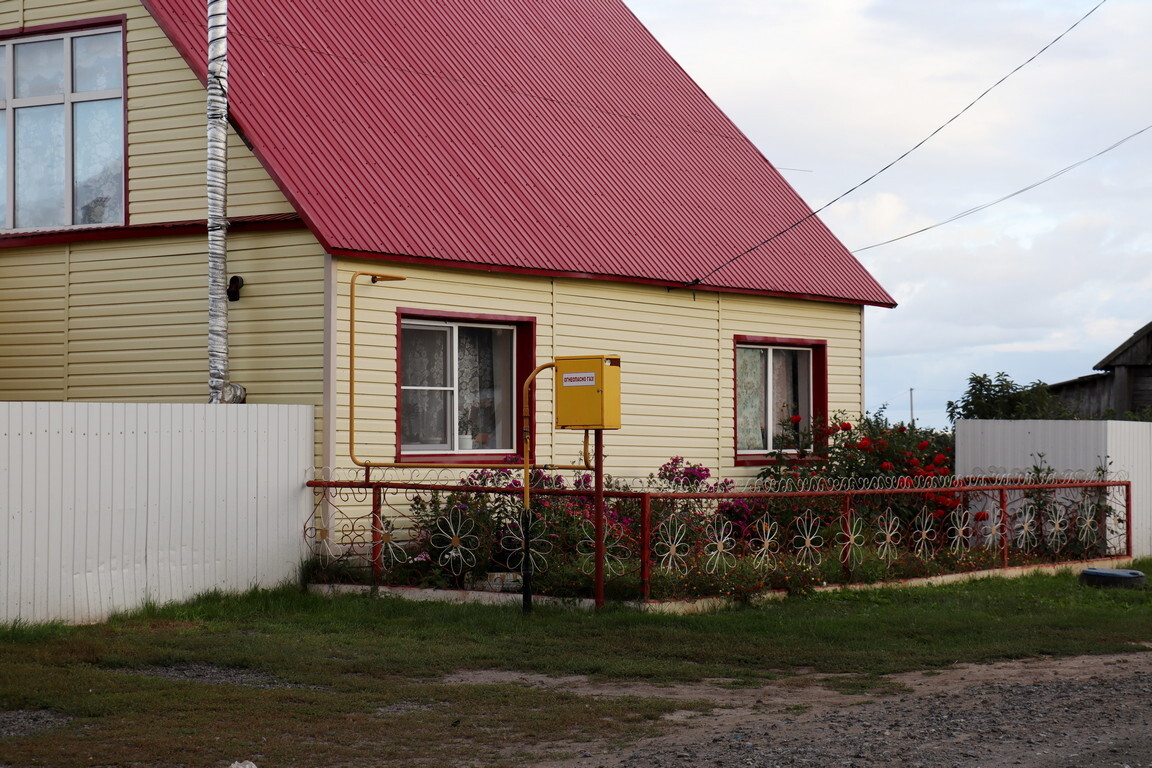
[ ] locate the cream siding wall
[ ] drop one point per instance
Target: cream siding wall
(33, 318)
(676, 350)
(127, 320)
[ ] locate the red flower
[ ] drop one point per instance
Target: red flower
(901, 429)
(886, 466)
(845, 426)
(865, 444)
(940, 458)
(904, 482)
(796, 419)
(939, 513)
(980, 516)
(914, 462)
(924, 445)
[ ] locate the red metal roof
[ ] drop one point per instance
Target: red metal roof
(546, 137)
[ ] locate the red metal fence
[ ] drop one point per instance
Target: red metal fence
(661, 542)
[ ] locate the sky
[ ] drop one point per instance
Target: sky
(1042, 286)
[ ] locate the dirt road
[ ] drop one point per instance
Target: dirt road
(1084, 712)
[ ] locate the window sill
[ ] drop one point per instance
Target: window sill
(763, 460)
(449, 459)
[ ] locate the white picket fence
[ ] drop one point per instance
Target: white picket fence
(107, 505)
(1123, 447)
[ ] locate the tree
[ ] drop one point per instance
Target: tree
(1002, 398)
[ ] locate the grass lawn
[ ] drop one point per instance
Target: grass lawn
(356, 681)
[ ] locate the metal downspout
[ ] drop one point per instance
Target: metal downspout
(220, 389)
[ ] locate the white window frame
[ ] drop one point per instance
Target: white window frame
(807, 413)
(9, 104)
(453, 389)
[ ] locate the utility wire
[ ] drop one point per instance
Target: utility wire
(922, 142)
(1021, 191)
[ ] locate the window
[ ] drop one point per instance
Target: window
(62, 128)
(458, 386)
(781, 385)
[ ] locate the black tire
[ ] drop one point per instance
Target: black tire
(1112, 577)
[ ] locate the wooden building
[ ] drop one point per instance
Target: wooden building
(543, 175)
(1123, 386)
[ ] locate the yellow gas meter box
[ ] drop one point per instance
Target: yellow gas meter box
(588, 392)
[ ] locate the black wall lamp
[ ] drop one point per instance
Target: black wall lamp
(234, 286)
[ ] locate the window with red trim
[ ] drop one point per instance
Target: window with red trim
(781, 388)
(62, 129)
(459, 384)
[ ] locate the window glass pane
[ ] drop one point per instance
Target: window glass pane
(40, 166)
(424, 355)
(424, 414)
(98, 161)
(96, 62)
(751, 397)
(39, 68)
(3, 73)
(791, 388)
(484, 383)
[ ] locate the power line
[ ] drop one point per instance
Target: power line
(1020, 191)
(922, 142)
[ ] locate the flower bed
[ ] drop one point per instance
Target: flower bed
(678, 534)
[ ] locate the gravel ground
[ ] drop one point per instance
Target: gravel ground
(1087, 712)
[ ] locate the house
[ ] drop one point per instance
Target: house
(544, 177)
(1124, 386)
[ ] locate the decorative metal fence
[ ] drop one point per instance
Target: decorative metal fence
(670, 542)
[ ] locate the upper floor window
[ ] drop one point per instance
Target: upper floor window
(62, 129)
(781, 385)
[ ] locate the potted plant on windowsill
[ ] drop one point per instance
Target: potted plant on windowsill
(465, 429)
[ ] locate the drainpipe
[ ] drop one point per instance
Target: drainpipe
(220, 390)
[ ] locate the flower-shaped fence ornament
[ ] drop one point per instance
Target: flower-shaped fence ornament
(766, 546)
(456, 542)
(960, 531)
(888, 536)
(1025, 527)
(1087, 527)
(391, 552)
(985, 526)
(1057, 527)
(719, 551)
(671, 549)
(923, 534)
(539, 546)
(807, 540)
(615, 552)
(851, 540)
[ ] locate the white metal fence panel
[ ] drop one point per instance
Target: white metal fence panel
(1124, 447)
(107, 505)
